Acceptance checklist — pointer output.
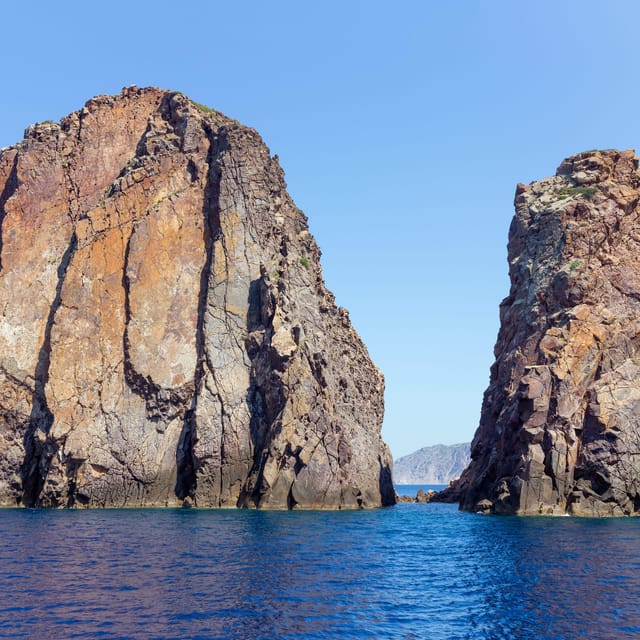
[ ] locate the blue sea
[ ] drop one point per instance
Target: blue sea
(409, 571)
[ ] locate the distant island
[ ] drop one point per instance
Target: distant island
(437, 464)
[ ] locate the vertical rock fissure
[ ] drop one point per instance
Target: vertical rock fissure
(186, 460)
(258, 292)
(386, 484)
(129, 372)
(266, 395)
(220, 239)
(38, 447)
(9, 189)
(139, 384)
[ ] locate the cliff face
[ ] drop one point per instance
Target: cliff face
(560, 424)
(438, 464)
(166, 334)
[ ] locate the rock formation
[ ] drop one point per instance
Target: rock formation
(166, 336)
(421, 497)
(560, 424)
(437, 464)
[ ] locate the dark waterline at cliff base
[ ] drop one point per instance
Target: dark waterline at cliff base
(410, 571)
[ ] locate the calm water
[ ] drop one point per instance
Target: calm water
(410, 571)
(412, 489)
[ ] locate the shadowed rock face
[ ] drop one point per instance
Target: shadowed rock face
(166, 334)
(560, 425)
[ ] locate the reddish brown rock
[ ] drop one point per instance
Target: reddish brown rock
(560, 425)
(166, 334)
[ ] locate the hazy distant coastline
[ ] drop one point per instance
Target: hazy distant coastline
(437, 464)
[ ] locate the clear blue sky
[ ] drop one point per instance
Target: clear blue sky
(402, 128)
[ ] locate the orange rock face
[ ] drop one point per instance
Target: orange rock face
(166, 335)
(560, 425)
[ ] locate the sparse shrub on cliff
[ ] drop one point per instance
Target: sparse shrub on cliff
(585, 192)
(203, 107)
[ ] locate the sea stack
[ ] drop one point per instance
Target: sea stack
(560, 424)
(166, 336)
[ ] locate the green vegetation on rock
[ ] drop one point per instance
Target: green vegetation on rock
(585, 192)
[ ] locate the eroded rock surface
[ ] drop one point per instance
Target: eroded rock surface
(560, 424)
(166, 334)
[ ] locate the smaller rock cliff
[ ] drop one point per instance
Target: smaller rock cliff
(438, 464)
(560, 424)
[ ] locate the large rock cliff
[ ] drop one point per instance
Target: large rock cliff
(560, 424)
(166, 336)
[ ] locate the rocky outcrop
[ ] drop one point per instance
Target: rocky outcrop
(166, 336)
(560, 424)
(421, 497)
(437, 464)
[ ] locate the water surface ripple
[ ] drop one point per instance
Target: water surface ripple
(410, 571)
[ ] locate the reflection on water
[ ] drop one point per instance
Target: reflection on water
(411, 571)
